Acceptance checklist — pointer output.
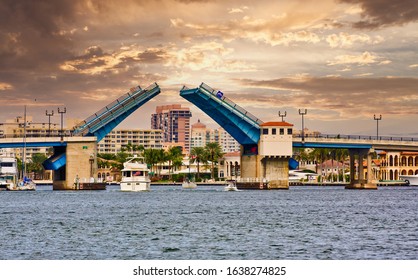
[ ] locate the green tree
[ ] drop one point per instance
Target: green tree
(213, 154)
(35, 165)
(174, 156)
(151, 157)
(198, 155)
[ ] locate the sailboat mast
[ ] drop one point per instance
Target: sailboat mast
(24, 144)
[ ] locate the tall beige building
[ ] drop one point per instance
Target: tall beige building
(174, 122)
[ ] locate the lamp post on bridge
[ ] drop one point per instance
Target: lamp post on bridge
(377, 119)
(302, 113)
(282, 115)
(62, 113)
(49, 121)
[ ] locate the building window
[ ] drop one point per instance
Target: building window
(273, 131)
(281, 131)
(265, 131)
(289, 131)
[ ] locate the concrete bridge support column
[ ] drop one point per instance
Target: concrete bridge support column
(80, 167)
(276, 171)
(357, 180)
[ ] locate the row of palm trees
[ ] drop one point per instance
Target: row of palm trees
(155, 158)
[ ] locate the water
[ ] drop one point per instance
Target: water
(208, 223)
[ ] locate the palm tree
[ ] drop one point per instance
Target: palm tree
(35, 165)
(320, 154)
(174, 155)
(213, 152)
(198, 155)
(151, 157)
(341, 155)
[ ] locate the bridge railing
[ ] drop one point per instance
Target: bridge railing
(356, 137)
(112, 110)
(230, 103)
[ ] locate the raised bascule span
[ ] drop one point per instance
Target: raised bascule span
(238, 122)
(243, 126)
(103, 121)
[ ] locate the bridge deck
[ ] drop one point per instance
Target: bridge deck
(242, 125)
(103, 121)
(357, 142)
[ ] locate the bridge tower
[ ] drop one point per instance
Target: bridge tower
(275, 151)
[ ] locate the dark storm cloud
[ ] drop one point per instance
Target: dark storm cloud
(30, 33)
(380, 13)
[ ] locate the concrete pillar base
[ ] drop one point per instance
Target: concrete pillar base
(278, 185)
(358, 186)
(62, 186)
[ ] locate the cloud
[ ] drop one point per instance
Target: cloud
(365, 58)
(343, 39)
(346, 97)
(237, 10)
(209, 56)
(256, 30)
(5, 86)
(382, 13)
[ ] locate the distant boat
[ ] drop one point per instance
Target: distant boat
(231, 186)
(135, 176)
(8, 177)
(411, 180)
(26, 184)
(299, 176)
(8, 172)
(188, 184)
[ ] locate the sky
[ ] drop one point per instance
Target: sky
(342, 60)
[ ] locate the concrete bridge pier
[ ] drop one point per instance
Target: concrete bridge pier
(357, 180)
(276, 171)
(80, 168)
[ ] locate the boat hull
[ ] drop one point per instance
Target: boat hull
(135, 186)
(189, 185)
(412, 180)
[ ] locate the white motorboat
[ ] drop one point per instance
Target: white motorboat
(231, 186)
(135, 176)
(299, 176)
(411, 180)
(187, 184)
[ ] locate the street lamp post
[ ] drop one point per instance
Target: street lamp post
(91, 160)
(377, 119)
(49, 121)
(302, 113)
(62, 113)
(282, 115)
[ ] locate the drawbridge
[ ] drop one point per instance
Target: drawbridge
(243, 126)
(103, 121)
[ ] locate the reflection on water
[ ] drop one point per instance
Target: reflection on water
(208, 223)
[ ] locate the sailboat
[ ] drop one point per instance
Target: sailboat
(25, 183)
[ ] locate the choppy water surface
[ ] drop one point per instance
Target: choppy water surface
(208, 223)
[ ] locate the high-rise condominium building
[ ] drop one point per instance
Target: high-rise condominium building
(174, 121)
